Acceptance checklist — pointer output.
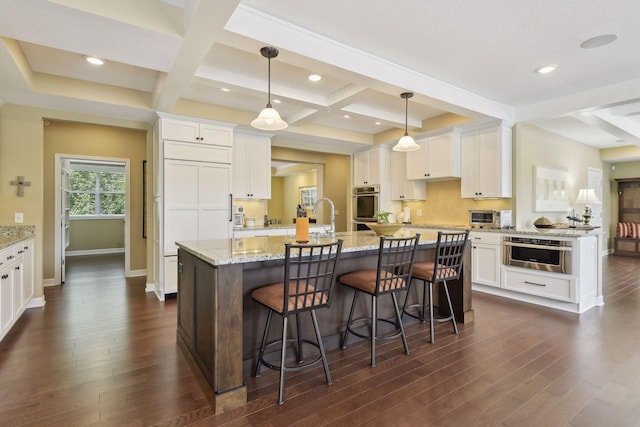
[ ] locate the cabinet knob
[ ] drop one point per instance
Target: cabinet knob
(5, 276)
(17, 267)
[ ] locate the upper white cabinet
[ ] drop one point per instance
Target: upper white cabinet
(188, 131)
(370, 167)
(486, 163)
(401, 187)
(251, 166)
(438, 157)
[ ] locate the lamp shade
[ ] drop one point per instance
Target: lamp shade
(406, 143)
(587, 196)
(269, 119)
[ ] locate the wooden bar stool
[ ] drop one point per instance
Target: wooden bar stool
(395, 262)
(309, 279)
(447, 265)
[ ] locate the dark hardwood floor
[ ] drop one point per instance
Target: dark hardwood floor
(103, 352)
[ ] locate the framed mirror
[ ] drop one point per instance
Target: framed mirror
(308, 196)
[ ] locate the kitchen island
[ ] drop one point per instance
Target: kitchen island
(219, 325)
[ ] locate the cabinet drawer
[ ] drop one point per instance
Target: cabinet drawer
(489, 238)
(197, 152)
(559, 288)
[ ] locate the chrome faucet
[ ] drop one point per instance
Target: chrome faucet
(332, 229)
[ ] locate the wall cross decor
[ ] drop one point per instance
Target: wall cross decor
(21, 183)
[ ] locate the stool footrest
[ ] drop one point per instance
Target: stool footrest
(299, 366)
(389, 335)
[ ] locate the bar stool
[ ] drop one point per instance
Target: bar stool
(395, 262)
(309, 271)
(447, 265)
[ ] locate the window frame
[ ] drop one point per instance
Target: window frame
(99, 167)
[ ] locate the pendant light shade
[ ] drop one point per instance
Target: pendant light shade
(269, 118)
(406, 143)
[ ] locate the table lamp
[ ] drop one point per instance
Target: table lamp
(587, 196)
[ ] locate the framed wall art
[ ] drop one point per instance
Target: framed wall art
(551, 190)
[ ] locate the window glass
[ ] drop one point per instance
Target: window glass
(97, 190)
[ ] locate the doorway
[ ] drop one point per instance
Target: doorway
(105, 202)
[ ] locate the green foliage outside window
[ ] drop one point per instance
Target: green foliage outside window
(96, 193)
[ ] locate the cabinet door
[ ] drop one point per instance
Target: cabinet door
(181, 203)
(485, 264)
(416, 162)
(251, 167)
(170, 274)
(217, 135)
(489, 157)
(214, 201)
(440, 157)
(470, 164)
(486, 163)
(179, 130)
(6, 299)
(186, 302)
(401, 187)
(27, 272)
(361, 168)
(18, 269)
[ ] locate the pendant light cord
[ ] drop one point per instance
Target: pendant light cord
(406, 115)
(269, 84)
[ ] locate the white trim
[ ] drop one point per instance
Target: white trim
(104, 251)
(151, 287)
(138, 273)
(49, 282)
(36, 302)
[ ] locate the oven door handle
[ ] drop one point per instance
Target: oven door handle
(532, 246)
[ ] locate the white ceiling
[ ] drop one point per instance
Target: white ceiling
(471, 58)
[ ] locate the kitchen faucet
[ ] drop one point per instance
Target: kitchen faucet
(332, 230)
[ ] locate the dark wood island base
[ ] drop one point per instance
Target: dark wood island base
(219, 326)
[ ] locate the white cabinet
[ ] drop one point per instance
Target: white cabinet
(371, 167)
(486, 163)
(251, 166)
(16, 283)
(437, 158)
(192, 191)
(197, 132)
(486, 258)
(401, 187)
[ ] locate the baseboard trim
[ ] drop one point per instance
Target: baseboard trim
(105, 251)
(36, 302)
(137, 273)
(49, 282)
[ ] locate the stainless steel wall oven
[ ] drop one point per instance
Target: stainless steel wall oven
(538, 254)
(365, 203)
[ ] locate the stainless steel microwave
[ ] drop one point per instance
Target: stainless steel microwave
(490, 219)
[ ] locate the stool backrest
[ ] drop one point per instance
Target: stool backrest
(449, 252)
(395, 262)
(309, 271)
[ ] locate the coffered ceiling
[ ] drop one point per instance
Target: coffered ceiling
(476, 59)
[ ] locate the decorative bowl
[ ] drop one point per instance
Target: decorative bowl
(385, 228)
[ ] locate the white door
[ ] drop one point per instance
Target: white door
(594, 180)
(64, 215)
(180, 203)
(214, 193)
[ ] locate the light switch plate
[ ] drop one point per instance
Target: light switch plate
(18, 217)
(418, 212)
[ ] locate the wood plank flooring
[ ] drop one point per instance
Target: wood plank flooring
(103, 352)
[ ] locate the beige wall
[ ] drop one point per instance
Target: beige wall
(71, 138)
(445, 206)
(537, 147)
(335, 183)
(275, 206)
(92, 234)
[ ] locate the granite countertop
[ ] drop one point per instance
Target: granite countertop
(10, 235)
(279, 227)
(266, 248)
(542, 232)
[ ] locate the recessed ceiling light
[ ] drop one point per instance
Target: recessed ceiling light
(315, 77)
(598, 41)
(546, 69)
(93, 60)
(276, 101)
(224, 89)
(346, 116)
(378, 123)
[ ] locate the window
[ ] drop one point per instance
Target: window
(97, 189)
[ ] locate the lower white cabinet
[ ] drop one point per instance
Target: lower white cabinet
(16, 283)
(545, 285)
(486, 258)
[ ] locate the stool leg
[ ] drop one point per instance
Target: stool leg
(406, 299)
(453, 316)
(423, 316)
(299, 332)
(264, 342)
(431, 328)
(346, 330)
(374, 329)
(399, 318)
(283, 357)
(325, 363)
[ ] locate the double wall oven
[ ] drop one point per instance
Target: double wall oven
(365, 205)
(539, 254)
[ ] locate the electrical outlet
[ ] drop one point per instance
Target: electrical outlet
(336, 212)
(418, 212)
(18, 217)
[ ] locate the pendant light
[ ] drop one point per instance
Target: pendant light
(406, 143)
(269, 119)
